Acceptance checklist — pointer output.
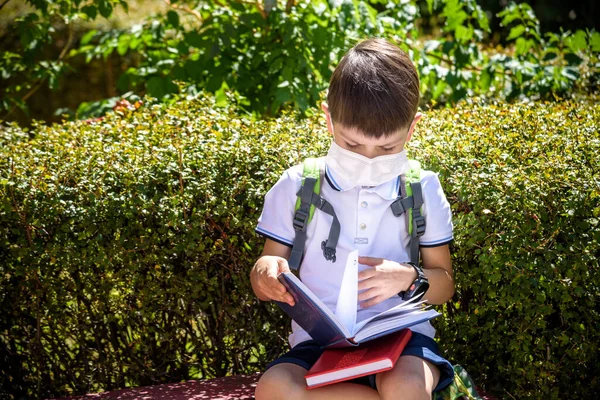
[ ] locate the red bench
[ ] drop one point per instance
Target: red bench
(239, 387)
(228, 388)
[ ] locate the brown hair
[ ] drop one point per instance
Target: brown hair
(375, 89)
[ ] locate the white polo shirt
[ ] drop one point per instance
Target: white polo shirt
(367, 225)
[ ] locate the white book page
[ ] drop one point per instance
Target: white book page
(396, 323)
(404, 307)
(345, 309)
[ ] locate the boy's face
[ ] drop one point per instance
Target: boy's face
(354, 140)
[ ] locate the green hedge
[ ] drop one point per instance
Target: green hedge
(125, 246)
(524, 184)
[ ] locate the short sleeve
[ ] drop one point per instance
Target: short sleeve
(275, 222)
(437, 212)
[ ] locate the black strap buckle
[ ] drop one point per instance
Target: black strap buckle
(300, 218)
(401, 205)
(419, 223)
(328, 252)
(398, 208)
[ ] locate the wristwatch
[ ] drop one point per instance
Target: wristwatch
(419, 285)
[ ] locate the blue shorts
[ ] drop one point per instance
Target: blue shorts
(307, 353)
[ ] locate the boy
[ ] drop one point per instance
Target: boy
(371, 113)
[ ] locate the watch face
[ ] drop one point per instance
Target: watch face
(418, 288)
(422, 288)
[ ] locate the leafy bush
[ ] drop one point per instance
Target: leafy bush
(125, 245)
(275, 54)
(269, 53)
(534, 66)
(524, 184)
(293, 47)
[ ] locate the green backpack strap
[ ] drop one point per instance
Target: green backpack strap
(311, 171)
(410, 201)
(309, 198)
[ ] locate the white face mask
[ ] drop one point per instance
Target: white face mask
(365, 171)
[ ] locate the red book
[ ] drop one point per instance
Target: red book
(337, 365)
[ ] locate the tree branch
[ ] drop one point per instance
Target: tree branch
(289, 5)
(188, 10)
(65, 49)
(3, 4)
(261, 10)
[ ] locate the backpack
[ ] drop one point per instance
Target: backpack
(409, 201)
(462, 387)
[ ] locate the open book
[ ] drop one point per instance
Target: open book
(339, 328)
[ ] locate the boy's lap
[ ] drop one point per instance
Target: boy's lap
(284, 373)
(409, 371)
(282, 381)
(421, 354)
(293, 374)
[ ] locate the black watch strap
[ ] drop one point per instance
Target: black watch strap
(419, 285)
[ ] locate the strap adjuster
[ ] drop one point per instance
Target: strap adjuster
(401, 205)
(328, 252)
(398, 208)
(419, 223)
(300, 218)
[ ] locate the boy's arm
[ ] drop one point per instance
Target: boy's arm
(263, 276)
(437, 266)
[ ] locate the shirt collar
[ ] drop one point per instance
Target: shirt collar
(387, 190)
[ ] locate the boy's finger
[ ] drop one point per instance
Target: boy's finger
(272, 273)
(271, 286)
(365, 284)
(366, 295)
(290, 300)
(370, 261)
(276, 287)
(282, 265)
(279, 292)
(371, 302)
(366, 274)
(287, 298)
(273, 282)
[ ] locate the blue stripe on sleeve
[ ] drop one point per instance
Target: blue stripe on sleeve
(274, 237)
(437, 243)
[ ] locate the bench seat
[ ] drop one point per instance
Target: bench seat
(227, 388)
(238, 387)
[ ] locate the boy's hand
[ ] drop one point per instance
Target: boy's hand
(264, 279)
(383, 280)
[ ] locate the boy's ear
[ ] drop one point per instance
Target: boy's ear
(418, 116)
(325, 109)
